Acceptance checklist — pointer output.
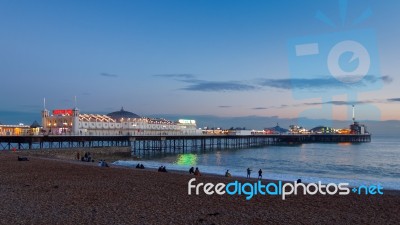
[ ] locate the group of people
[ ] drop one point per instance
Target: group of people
(103, 163)
(193, 171)
(139, 166)
(228, 174)
(196, 171)
(86, 158)
(162, 169)
(249, 173)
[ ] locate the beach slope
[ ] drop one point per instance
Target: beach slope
(53, 191)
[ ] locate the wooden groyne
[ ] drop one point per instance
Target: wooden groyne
(142, 145)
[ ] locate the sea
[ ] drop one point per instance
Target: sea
(377, 162)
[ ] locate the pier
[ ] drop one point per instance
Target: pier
(147, 145)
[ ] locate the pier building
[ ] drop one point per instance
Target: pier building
(72, 122)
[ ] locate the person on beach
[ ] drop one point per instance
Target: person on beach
(102, 163)
(138, 166)
(260, 174)
(299, 181)
(191, 170)
(89, 157)
(162, 169)
(248, 172)
(227, 174)
(197, 172)
(141, 166)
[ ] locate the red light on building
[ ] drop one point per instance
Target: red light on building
(62, 112)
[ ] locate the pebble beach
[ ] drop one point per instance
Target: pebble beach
(65, 191)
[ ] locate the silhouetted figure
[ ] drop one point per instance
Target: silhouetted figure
(141, 166)
(260, 174)
(248, 172)
(227, 174)
(102, 163)
(197, 172)
(160, 169)
(191, 170)
(78, 156)
(299, 181)
(163, 169)
(138, 166)
(89, 157)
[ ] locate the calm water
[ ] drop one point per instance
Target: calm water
(377, 162)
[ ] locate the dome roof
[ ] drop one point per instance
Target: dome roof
(117, 115)
(277, 128)
(35, 124)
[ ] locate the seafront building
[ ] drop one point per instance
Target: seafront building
(72, 122)
(20, 129)
(7, 130)
(125, 123)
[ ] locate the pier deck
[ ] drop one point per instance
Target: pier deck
(142, 145)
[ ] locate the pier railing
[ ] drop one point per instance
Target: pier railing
(142, 145)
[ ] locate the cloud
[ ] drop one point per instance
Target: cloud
(328, 82)
(179, 76)
(393, 100)
(224, 106)
(334, 103)
(194, 84)
(217, 86)
(288, 84)
(108, 75)
(259, 108)
(322, 83)
(338, 103)
(387, 79)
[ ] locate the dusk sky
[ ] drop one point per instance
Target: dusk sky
(224, 58)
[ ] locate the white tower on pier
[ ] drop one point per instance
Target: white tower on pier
(45, 115)
(75, 119)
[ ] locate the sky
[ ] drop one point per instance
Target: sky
(222, 58)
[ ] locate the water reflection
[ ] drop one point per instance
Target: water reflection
(186, 159)
(344, 143)
(218, 158)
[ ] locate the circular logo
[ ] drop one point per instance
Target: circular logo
(358, 52)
